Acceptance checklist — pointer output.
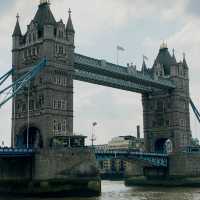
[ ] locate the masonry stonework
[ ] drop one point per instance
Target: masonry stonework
(49, 95)
(166, 113)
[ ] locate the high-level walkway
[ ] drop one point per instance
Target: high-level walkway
(126, 78)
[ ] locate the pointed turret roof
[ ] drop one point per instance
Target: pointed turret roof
(70, 27)
(184, 61)
(17, 30)
(173, 56)
(144, 67)
(165, 59)
(44, 15)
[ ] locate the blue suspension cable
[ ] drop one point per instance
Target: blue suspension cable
(17, 85)
(195, 110)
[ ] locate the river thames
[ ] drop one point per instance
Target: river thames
(116, 190)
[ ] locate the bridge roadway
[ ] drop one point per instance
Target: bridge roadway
(155, 159)
(16, 152)
(126, 78)
(159, 160)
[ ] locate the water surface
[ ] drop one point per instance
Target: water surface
(116, 190)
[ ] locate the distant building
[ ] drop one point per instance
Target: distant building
(116, 168)
(127, 142)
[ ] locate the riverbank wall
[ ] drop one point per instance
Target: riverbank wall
(183, 170)
(52, 172)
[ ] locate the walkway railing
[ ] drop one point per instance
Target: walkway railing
(159, 160)
(16, 152)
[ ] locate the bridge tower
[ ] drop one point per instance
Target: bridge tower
(50, 95)
(166, 113)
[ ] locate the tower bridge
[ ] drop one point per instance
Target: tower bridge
(42, 114)
(126, 78)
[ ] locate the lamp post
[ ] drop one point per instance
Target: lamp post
(93, 138)
(28, 116)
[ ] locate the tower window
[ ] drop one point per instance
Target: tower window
(24, 107)
(60, 49)
(59, 127)
(55, 126)
(29, 38)
(167, 123)
(31, 105)
(55, 105)
(34, 37)
(182, 123)
(59, 104)
(160, 106)
(60, 34)
(41, 100)
(29, 52)
(64, 125)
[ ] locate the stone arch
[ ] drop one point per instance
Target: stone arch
(34, 138)
(159, 145)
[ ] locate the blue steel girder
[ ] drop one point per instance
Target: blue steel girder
(158, 160)
(16, 152)
(106, 69)
(195, 110)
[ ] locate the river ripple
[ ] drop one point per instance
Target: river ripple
(116, 190)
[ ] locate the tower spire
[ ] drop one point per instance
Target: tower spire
(144, 66)
(17, 16)
(17, 30)
(184, 60)
(70, 12)
(173, 55)
(70, 27)
(44, 2)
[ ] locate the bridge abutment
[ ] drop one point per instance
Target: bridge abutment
(62, 172)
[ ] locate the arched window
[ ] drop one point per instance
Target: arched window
(29, 38)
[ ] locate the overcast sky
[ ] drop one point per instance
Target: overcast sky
(139, 26)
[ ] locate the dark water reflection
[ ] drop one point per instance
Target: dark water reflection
(115, 190)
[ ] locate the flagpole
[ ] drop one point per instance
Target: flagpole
(117, 56)
(119, 48)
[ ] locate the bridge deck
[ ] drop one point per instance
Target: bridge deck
(158, 160)
(104, 73)
(12, 152)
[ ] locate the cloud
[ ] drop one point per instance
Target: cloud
(193, 7)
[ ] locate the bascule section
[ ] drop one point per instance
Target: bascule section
(43, 110)
(166, 112)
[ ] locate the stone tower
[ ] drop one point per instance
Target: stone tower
(166, 113)
(50, 95)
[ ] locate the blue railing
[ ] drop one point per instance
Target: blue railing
(16, 152)
(155, 159)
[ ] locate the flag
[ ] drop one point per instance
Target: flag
(145, 57)
(94, 123)
(120, 48)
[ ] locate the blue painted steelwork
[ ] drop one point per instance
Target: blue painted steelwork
(15, 152)
(195, 110)
(5, 76)
(104, 73)
(21, 82)
(192, 149)
(159, 160)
